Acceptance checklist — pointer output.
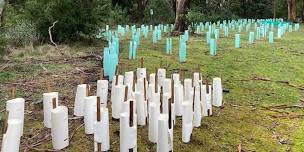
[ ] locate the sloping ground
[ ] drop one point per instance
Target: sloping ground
(263, 109)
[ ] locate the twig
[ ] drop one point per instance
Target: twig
(4, 67)
(74, 132)
(269, 80)
(39, 149)
(44, 68)
(288, 116)
(50, 33)
(284, 106)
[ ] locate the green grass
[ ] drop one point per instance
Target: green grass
(243, 120)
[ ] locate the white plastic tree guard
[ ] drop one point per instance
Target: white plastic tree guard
(167, 87)
(151, 89)
(209, 100)
(187, 121)
(188, 89)
(141, 108)
(129, 76)
(119, 82)
(15, 107)
(165, 103)
(161, 76)
(102, 91)
(117, 98)
(153, 121)
(171, 123)
(141, 73)
(204, 101)
(163, 134)
(178, 99)
(197, 108)
(128, 130)
(101, 131)
(60, 127)
(176, 78)
(48, 106)
(196, 79)
(152, 78)
(81, 92)
(11, 138)
(217, 92)
(140, 86)
(89, 115)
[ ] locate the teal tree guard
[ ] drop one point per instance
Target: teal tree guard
(237, 41)
(213, 47)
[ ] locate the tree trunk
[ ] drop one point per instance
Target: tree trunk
(303, 11)
(141, 5)
(292, 15)
(180, 20)
(173, 5)
(274, 4)
(2, 13)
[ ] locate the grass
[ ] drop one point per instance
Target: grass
(245, 119)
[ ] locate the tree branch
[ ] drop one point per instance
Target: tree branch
(50, 33)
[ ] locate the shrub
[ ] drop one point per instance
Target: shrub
(119, 16)
(2, 47)
(75, 17)
(22, 33)
(162, 12)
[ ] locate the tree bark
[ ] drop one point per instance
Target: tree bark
(2, 13)
(180, 20)
(292, 15)
(303, 11)
(274, 5)
(141, 5)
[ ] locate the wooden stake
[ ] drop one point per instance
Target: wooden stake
(48, 85)
(134, 81)
(54, 103)
(199, 71)
(145, 91)
(126, 93)
(161, 64)
(193, 79)
(207, 86)
(193, 97)
(117, 70)
(13, 93)
(184, 74)
(87, 90)
(200, 85)
(142, 62)
(170, 114)
(131, 114)
(81, 78)
(116, 80)
(172, 89)
(161, 99)
(98, 147)
(98, 120)
(98, 109)
(101, 74)
(156, 81)
(5, 122)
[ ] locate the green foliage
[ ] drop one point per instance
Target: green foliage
(194, 16)
(75, 17)
(2, 47)
(214, 10)
(118, 16)
(17, 30)
(162, 12)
